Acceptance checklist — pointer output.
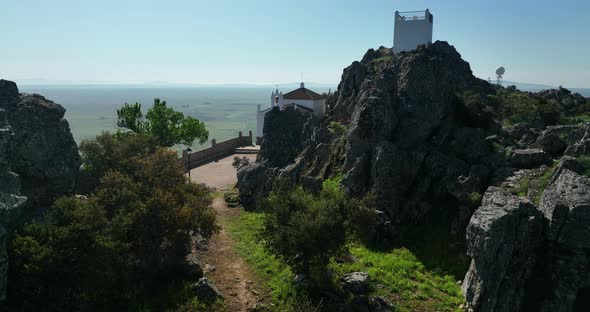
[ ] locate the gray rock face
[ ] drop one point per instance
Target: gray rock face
(39, 159)
(206, 291)
(529, 158)
(251, 182)
(11, 204)
(566, 207)
(501, 237)
(529, 259)
(565, 204)
(581, 147)
(355, 282)
(279, 148)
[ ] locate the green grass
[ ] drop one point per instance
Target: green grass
(400, 276)
(278, 276)
(522, 188)
(397, 274)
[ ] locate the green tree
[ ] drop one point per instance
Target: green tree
(128, 240)
(167, 126)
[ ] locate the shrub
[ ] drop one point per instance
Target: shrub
(522, 188)
(337, 128)
(110, 250)
(240, 163)
(475, 199)
(306, 230)
(120, 152)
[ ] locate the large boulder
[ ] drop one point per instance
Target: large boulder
(251, 182)
(529, 158)
(283, 136)
(581, 147)
(39, 160)
(565, 266)
(43, 150)
(501, 238)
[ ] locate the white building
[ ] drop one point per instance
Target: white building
(302, 99)
(412, 29)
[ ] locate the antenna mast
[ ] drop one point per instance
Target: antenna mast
(499, 73)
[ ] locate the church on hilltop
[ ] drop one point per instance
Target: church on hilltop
(302, 99)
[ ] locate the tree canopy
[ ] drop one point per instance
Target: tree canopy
(127, 240)
(167, 126)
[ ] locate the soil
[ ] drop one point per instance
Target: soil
(232, 275)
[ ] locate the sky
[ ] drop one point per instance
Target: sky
(262, 41)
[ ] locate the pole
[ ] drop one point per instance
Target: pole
(188, 151)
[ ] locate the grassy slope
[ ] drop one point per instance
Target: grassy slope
(397, 274)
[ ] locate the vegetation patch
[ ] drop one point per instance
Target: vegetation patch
(522, 188)
(420, 276)
(245, 230)
(585, 161)
(401, 277)
(337, 128)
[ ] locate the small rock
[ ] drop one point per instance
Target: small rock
(300, 281)
(206, 291)
(355, 282)
(209, 268)
(380, 304)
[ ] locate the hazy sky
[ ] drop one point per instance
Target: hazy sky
(262, 41)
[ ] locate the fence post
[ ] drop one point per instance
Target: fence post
(250, 138)
(185, 160)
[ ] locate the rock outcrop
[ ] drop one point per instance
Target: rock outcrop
(39, 159)
(501, 238)
(411, 139)
(527, 258)
(406, 137)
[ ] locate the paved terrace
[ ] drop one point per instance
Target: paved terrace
(219, 174)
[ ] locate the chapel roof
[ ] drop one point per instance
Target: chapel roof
(300, 107)
(302, 94)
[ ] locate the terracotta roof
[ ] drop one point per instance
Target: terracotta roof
(302, 94)
(300, 107)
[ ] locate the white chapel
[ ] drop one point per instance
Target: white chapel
(302, 99)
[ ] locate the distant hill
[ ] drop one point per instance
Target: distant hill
(164, 84)
(535, 87)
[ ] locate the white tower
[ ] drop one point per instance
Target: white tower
(276, 99)
(412, 29)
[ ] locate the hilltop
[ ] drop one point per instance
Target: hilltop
(437, 148)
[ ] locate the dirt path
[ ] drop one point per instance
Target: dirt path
(232, 275)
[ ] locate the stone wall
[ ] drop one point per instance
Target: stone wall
(216, 151)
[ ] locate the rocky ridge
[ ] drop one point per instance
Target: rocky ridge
(39, 160)
(412, 142)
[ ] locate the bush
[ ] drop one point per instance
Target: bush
(240, 163)
(129, 238)
(306, 230)
(303, 230)
(120, 152)
(510, 107)
(337, 128)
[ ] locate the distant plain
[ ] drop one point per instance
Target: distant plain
(225, 110)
